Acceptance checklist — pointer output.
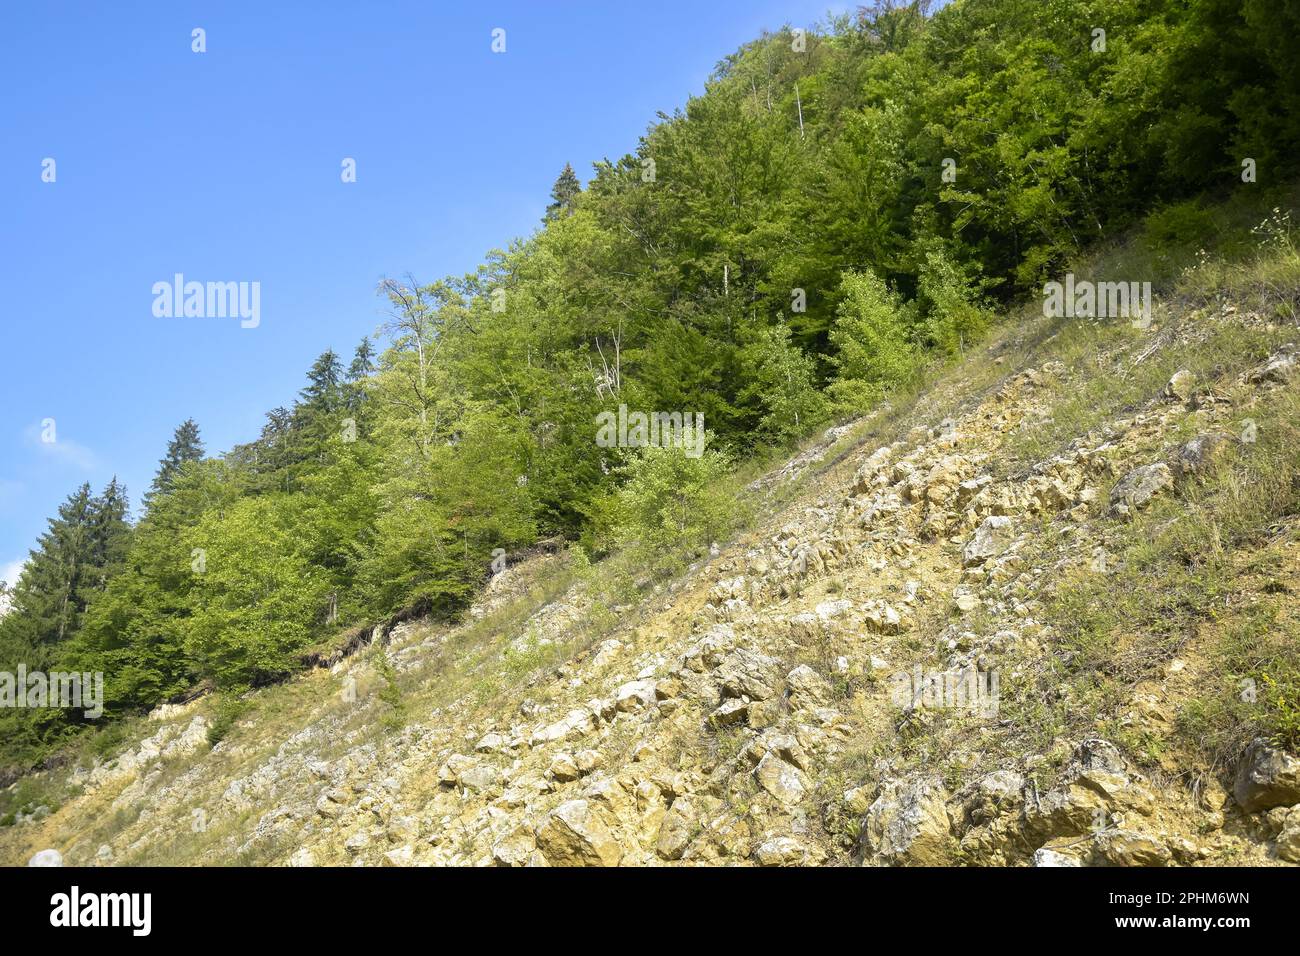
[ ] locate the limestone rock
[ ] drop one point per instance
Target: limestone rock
(1288, 838)
(573, 834)
(884, 618)
(634, 696)
(807, 688)
(908, 825)
(1049, 857)
(989, 541)
(781, 779)
(1280, 366)
(564, 768)
(515, 848)
(676, 829)
(1266, 777)
(1128, 848)
(399, 856)
(1180, 386)
(1197, 455)
(46, 858)
(749, 674)
(781, 851)
(1138, 487)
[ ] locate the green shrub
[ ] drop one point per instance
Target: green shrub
(229, 708)
(672, 500)
(873, 351)
(955, 313)
(1179, 226)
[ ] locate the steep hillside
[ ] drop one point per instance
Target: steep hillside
(1099, 518)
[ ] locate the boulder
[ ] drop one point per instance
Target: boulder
(399, 856)
(989, 541)
(676, 829)
(1129, 848)
(564, 768)
(908, 825)
(780, 851)
(46, 858)
(573, 834)
(1049, 857)
(1194, 457)
(746, 673)
(1288, 838)
(634, 695)
(1180, 386)
(1138, 487)
(515, 848)
(1266, 777)
(807, 688)
(782, 780)
(883, 618)
(1280, 366)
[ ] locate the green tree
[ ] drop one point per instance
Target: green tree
(185, 446)
(564, 194)
(873, 350)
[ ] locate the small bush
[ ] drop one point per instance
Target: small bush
(873, 352)
(1179, 226)
(672, 501)
(229, 708)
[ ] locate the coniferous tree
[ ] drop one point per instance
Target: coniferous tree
(363, 361)
(324, 383)
(362, 367)
(110, 534)
(564, 194)
(185, 446)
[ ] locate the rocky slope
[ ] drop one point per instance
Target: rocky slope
(761, 709)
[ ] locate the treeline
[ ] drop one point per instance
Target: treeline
(838, 207)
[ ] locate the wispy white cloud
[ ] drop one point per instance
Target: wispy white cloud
(44, 436)
(10, 570)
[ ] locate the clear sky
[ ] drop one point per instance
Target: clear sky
(225, 166)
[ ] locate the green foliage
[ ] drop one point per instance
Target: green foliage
(954, 313)
(872, 341)
(1179, 225)
(782, 386)
(671, 500)
(391, 693)
(255, 595)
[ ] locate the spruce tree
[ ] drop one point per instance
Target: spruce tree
(363, 361)
(564, 194)
(56, 582)
(324, 383)
(362, 367)
(110, 534)
(185, 446)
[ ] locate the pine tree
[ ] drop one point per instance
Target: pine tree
(110, 534)
(185, 446)
(362, 367)
(55, 583)
(564, 194)
(363, 361)
(324, 389)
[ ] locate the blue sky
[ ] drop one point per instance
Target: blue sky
(225, 166)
